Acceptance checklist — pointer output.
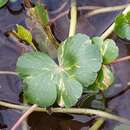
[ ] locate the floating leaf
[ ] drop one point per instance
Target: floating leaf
(122, 127)
(79, 62)
(3, 2)
(122, 28)
(37, 70)
(24, 34)
(109, 51)
(80, 58)
(42, 14)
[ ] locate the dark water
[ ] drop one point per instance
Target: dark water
(10, 86)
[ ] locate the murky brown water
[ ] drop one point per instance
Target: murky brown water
(10, 87)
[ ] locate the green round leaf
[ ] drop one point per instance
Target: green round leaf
(38, 72)
(43, 78)
(40, 89)
(109, 51)
(70, 91)
(122, 28)
(81, 59)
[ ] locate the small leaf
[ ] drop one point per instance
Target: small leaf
(24, 34)
(70, 91)
(122, 28)
(109, 51)
(105, 78)
(98, 41)
(42, 14)
(43, 78)
(122, 127)
(3, 2)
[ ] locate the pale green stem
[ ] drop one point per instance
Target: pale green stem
(111, 28)
(106, 10)
(97, 124)
(70, 110)
(8, 72)
(73, 20)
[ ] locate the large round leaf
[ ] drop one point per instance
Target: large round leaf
(81, 59)
(38, 72)
(40, 89)
(42, 78)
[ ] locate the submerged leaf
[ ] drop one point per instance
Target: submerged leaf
(37, 70)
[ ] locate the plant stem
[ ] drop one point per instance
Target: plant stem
(50, 35)
(60, 8)
(121, 59)
(94, 8)
(70, 110)
(73, 21)
(111, 28)
(27, 3)
(97, 124)
(8, 72)
(24, 116)
(106, 10)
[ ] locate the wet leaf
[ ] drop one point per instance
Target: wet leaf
(3, 2)
(79, 62)
(122, 28)
(122, 127)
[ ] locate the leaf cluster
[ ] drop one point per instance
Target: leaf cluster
(80, 65)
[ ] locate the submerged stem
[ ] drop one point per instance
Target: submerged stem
(24, 116)
(70, 110)
(73, 21)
